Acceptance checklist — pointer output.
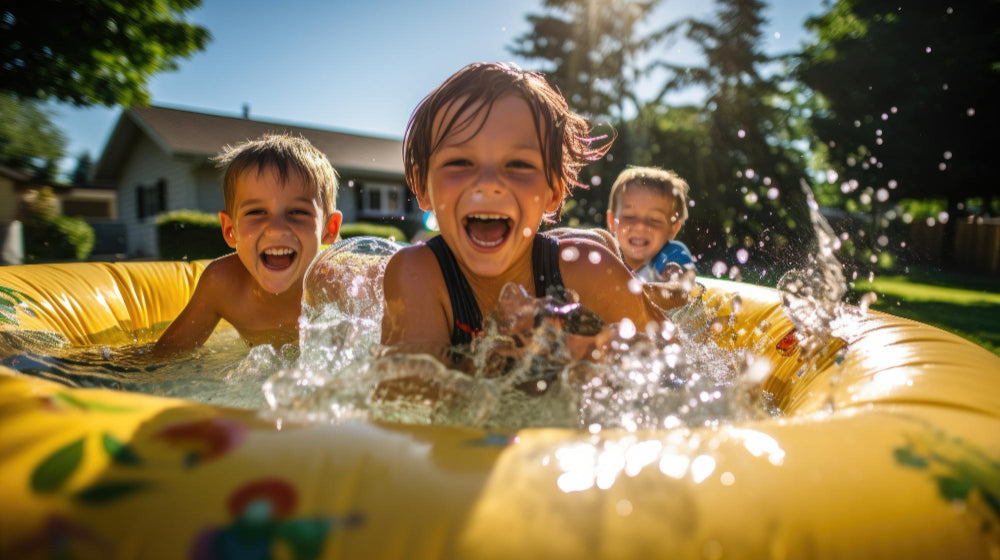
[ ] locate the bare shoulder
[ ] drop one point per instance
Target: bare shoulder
(410, 266)
(415, 298)
(595, 236)
(223, 281)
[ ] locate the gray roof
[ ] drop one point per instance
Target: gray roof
(201, 135)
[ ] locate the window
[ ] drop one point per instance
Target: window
(151, 201)
(382, 200)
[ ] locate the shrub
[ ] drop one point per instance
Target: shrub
(357, 229)
(189, 235)
(58, 239)
(50, 236)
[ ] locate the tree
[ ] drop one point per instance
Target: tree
(910, 92)
(747, 176)
(81, 173)
(87, 53)
(592, 50)
(28, 139)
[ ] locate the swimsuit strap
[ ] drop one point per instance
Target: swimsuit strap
(467, 316)
(545, 265)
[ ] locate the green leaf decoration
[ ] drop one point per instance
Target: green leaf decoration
(906, 456)
(304, 536)
(70, 400)
(954, 488)
(120, 453)
(102, 493)
(9, 299)
(50, 475)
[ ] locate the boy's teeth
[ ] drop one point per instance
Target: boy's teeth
(488, 216)
(278, 252)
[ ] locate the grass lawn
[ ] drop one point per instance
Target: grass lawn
(967, 305)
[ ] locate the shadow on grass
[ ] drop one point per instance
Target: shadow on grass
(979, 323)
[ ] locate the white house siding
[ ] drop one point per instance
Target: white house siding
(147, 165)
(208, 183)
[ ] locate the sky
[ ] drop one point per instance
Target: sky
(360, 66)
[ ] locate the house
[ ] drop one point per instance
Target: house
(158, 159)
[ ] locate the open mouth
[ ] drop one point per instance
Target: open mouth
(278, 258)
(638, 242)
(487, 230)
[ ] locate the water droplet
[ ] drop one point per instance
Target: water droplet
(894, 110)
(570, 254)
(526, 232)
(595, 180)
(882, 195)
(878, 132)
(635, 286)
(727, 479)
(702, 467)
(971, 112)
(944, 86)
(719, 268)
(626, 329)
(878, 141)
(947, 155)
(750, 173)
(741, 133)
(943, 217)
(751, 198)
(623, 507)
(772, 193)
(883, 241)
(742, 255)
(893, 184)
(594, 257)
(865, 198)
(867, 300)
(831, 176)
(927, 50)
(942, 166)
(930, 222)
(777, 35)
(885, 117)
(857, 124)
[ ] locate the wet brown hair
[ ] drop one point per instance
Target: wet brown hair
(286, 154)
(661, 181)
(562, 134)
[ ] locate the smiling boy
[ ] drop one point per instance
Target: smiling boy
(280, 197)
(646, 210)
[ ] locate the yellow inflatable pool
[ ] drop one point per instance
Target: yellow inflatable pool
(891, 452)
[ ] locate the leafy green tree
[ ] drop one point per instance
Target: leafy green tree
(747, 174)
(592, 54)
(92, 52)
(28, 139)
(81, 173)
(909, 89)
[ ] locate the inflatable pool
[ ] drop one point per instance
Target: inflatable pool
(890, 450)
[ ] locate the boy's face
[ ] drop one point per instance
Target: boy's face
(489, 192)
(277, 227)
(644, 224)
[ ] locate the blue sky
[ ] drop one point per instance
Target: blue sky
(357, 66)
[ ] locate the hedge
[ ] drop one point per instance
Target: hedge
(189, 235)
(357, 229)
(57, 238)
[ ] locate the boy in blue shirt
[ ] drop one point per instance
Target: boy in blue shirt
(646, 210)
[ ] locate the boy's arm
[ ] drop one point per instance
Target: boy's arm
(198, 318)
(414, 319)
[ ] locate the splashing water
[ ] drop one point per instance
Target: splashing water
(522, 373)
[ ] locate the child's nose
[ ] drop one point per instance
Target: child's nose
(489, 182)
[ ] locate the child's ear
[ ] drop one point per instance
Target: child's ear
(612, 226)
(332, 229)
(228, 229)
(557, 193)
(674, 229)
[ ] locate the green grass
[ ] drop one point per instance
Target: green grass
(964, 304)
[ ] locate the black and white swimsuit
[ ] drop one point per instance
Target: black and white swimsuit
(468, 317)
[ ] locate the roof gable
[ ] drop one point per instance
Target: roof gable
(188, 133)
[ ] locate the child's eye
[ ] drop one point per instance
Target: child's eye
(521, 164)
(457, 162)
(253, 212)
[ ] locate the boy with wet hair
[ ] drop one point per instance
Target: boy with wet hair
(646, 210)
(280, 197)
(494, 151)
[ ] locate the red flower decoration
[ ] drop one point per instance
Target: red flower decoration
(216, 435)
